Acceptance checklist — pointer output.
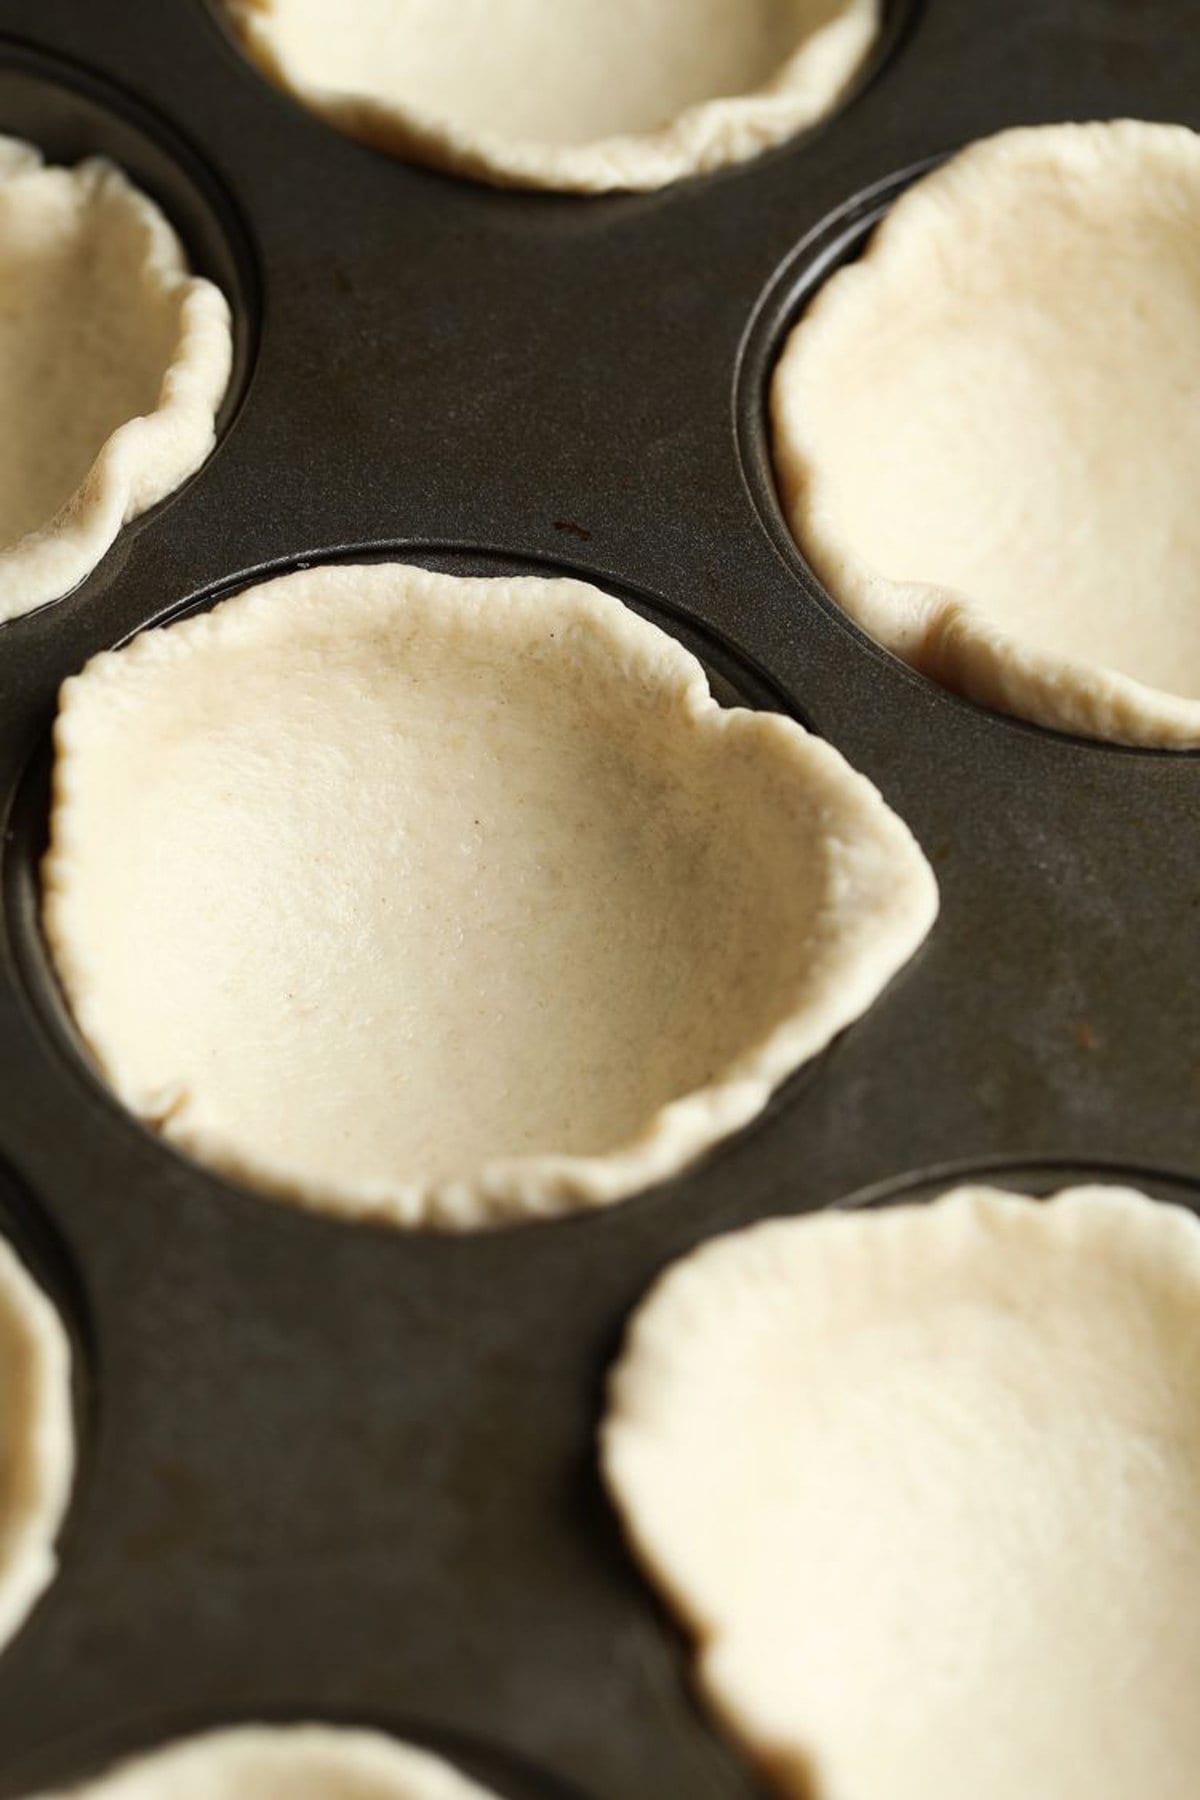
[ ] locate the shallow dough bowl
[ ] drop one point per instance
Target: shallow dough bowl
(115, 360)
(553, 922)
(588, 97)
(113, 489)
(1122, 691)
(846, 1448)
(37, 1438)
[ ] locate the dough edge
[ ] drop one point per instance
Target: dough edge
(709, 135)
(361, 1753)
(866, 943)
(47, 1454)
(148, 456)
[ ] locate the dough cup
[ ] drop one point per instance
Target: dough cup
(583, 95)
(114, 360)
(451, 901)
(982, 432)
(923, 1483)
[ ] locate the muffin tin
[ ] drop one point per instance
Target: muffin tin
(340, 1472)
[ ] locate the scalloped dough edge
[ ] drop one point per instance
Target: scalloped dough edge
(881, 900)
(709, 135)
(1091, 1219)
(229, 1763)
(147, 457)
(937, 631)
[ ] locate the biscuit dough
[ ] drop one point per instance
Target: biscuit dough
(281, 1762)
(924, 1483)
(37, 1440)
(985, 430)
(113, 362)
(582, 94)
(454, 901)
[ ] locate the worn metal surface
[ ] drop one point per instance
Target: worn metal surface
(338, 1472)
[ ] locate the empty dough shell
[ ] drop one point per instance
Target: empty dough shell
(113, 362)
(985, 434)
(925, 1484)
(451, 900)
(282, 1762)
(580, 94)
(37, 1440)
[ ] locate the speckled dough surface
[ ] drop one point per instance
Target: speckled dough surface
(113, 362)
(925, 1484)
(985, 432)
(289, 1762)
(454, 901)
(583, 94)
(37, 1439)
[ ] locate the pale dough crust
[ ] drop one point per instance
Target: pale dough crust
(925, 1484)
(37, 1440)
(113, 362)
(454, 901)
(578, 94)
(985, 434)
(282, 1762)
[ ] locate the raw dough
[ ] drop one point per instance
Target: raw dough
(113, 361)
(37, 1440)
(583, 94)
(925, 1484)
(985, 430)
(282, 1762)
(454, 900)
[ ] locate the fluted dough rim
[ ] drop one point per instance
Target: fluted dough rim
(707, 136)
(879, 894)
(147, 457)
(940, 632)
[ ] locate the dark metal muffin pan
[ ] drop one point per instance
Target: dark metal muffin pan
(336, 1472)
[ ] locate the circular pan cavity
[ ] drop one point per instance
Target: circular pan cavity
(986, 649)
(69, 115)
(676, 111)
(1032, 1176)
(838, 240)
(870, 944)
(63, 1766)
(38, 1244)
(47, 1322)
